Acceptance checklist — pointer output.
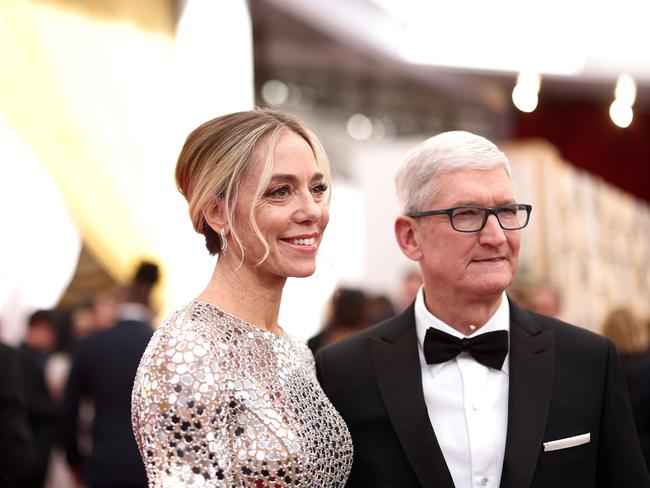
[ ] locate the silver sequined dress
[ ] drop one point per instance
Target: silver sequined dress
(218, 402)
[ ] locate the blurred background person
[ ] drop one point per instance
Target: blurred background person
(380, 307)
(17, 448)
(136, 302)
(348, 313)
(105, 306)
(522, 294)
(103, 370)
(43, 410)
(411, 283)
(87, 317)
(632, 339)
(545, 299)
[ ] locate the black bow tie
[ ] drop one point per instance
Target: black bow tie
(489, 349)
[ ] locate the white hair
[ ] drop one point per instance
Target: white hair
(447, 152)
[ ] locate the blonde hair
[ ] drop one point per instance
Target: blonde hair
(628, 332)
(220, 154)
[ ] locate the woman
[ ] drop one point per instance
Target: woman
(349, 313)
(632, 339)
(223, 397)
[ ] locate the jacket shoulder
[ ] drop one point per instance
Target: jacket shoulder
(571, 336)
(389, 330)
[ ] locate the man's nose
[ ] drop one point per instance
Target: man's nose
(492, 233)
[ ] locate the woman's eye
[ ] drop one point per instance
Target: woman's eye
(321, 188)
(283, 191)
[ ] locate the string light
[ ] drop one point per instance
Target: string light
(359, 127)
(525, 92)
(620, 111)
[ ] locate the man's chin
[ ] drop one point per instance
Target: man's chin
(493, 287)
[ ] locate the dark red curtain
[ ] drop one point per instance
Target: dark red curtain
(587, 138)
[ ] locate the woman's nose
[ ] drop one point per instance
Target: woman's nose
(308, 209)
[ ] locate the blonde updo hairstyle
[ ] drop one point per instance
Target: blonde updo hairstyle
(220, 154)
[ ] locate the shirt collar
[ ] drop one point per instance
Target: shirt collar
(425, 319)
(134, 311)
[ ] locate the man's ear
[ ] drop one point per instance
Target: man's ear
(215, 214)
(405, 233)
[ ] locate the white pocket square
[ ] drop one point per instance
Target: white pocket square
(576, 440)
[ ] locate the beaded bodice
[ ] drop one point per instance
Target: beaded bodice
(218, 402)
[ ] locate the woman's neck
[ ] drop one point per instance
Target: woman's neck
(246, 294)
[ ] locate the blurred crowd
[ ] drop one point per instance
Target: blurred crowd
(65, 403)
(74, 371)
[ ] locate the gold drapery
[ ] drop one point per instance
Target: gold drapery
(80, 90)
(99, 92)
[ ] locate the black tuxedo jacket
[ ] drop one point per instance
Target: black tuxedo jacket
(17, 450)
(103, 370)
(564, 381)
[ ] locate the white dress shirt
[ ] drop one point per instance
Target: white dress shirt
(467, 403)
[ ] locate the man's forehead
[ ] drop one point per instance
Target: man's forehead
(475, 186)
(474, 172)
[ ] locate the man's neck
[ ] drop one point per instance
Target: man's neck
(465, 316)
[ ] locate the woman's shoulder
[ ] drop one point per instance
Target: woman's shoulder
(194, 321)
(186, 352)
(301, 350)
(185, 335)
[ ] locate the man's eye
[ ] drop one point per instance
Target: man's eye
(508, 210)
(466, 212)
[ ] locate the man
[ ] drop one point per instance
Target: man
(103, 371)
(465, 388)
(545, 299)
(17, 450)
(44, 412)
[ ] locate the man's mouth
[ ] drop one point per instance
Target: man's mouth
(489, 260)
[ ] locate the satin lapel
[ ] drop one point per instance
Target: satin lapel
(397, 368)
(532, 360)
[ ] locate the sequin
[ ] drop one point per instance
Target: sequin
(221, 403)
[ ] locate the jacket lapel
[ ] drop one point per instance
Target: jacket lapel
(397, 369)
(532, 360)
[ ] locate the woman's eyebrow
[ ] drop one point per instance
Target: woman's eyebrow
(292, 177)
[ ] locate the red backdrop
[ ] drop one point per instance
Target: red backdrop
(587, 138)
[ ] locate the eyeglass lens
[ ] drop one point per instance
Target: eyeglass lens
(471, 219)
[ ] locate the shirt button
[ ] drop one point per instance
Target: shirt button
(476, 406)
(484, 482)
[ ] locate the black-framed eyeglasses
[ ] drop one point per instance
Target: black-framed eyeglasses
(470, 218)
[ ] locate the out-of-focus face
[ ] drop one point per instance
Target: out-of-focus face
(546, 301)
(42, 337)
(468, 265)
(291, 214)
(105, 311)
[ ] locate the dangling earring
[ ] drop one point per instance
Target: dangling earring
(224, 242)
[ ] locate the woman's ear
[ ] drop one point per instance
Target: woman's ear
(405, 233)
(215, 214)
